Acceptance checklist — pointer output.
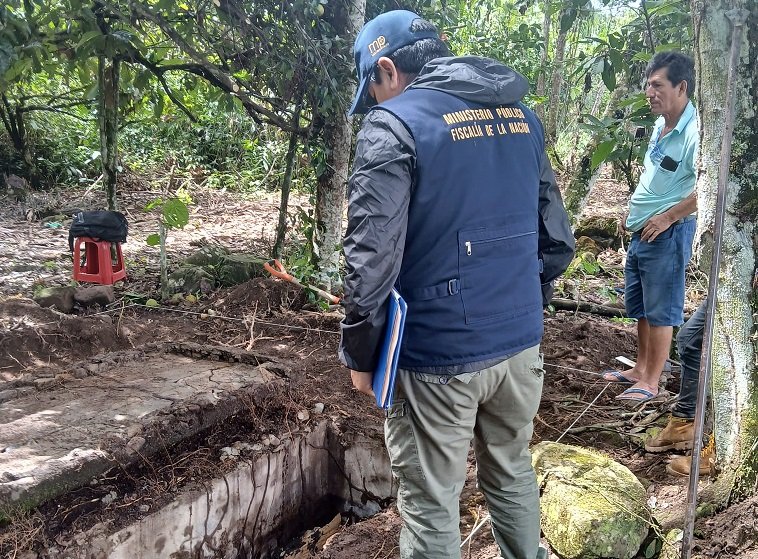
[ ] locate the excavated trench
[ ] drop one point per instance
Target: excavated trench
(98, 439)
(253, 511)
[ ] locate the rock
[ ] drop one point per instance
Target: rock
(144, 508)
(17, 187)
(591, 506)
(602, 230)
(135, 444)
(42, 383)
(303, 415)
(188, 279)
(209, 255)
(80, 372)
(133, 430)
(109, 498)
(96, 295)
(586, 244)
(239, 268)
(318, 408)
(62, 298)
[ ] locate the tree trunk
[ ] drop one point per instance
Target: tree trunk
(735, 371)
(108, 75)
(13, 120)
(281, 228)
(584, 177)
(540, 109)
(337, 135)
(551, 132)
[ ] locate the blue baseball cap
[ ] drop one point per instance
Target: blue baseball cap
(381, 36)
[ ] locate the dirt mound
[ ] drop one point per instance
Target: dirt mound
(733, 533)
(37, 337)
(264, 296)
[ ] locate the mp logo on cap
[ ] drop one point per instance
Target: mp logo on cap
(374, 47)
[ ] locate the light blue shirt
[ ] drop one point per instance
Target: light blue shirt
(660, 189)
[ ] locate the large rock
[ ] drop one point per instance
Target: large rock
(95, 295)
(602, 230)
(592, 507)
(214, 265)
(239, 268)
(191, 279)
(61, 298)
(209, 255)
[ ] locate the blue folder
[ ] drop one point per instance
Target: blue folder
(386, 370)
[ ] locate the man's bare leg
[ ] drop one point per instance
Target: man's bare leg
(655, 341)
(643, 344)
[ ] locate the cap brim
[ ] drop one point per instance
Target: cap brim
(359, 105)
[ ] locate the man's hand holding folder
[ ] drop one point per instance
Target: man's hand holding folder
(362, 382)
(381, 383)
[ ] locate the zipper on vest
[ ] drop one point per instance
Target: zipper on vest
(469, 244)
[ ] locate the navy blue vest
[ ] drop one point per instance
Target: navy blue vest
(470, 270)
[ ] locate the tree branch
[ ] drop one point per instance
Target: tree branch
(30, 108)
(602, 310)
(54, 108)
(158, 72)
(649, 27)
(221, 79)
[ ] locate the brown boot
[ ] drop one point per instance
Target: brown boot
(677, 435)
(681, 466)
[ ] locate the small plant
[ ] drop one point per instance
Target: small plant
(584, 264)
(174, 215)
(609, 293)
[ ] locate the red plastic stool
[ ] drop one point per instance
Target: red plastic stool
(99, 265)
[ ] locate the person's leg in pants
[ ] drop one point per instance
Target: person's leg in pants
(689, 343)
(428, 433)
(504, 464)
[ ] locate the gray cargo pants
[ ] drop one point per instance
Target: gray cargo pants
(428, 432)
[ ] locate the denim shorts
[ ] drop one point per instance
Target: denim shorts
(654, 275)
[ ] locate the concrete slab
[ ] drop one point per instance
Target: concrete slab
(60, 436)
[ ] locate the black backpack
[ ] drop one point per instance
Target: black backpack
(103, 225)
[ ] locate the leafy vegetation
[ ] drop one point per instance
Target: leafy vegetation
(211, 90)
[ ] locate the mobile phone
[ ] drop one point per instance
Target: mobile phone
(669, 164)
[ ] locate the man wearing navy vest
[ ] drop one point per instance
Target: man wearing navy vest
(453, 202)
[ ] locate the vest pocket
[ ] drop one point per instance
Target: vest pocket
(499, 273)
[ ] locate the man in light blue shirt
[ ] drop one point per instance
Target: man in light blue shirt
(662, 221)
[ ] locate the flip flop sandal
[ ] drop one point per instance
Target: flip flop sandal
(630, 395)
(617, 377)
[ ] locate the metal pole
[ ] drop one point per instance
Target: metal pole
(737, 17)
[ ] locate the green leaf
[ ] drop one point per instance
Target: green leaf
(593, 120)
(153, 204)
(88, 36)
(175, 213)
(601, 152)
(609, 75)
(154, 239)
(652, 549)
(567, 19)
(616, 58)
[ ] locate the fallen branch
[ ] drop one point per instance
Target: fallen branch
(597, 427)
(593, 308)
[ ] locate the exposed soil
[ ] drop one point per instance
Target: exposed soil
(274, 318)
